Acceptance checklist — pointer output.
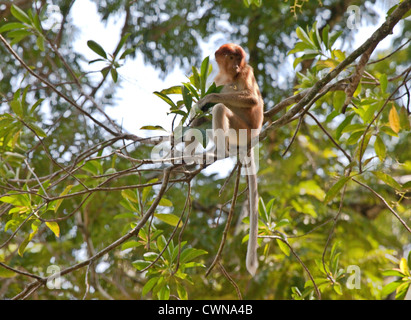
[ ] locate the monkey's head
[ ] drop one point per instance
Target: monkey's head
(230, 58)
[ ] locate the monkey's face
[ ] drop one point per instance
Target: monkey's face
(230, 63)
(230, 58)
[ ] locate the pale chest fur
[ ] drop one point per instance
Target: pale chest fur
(229, 84)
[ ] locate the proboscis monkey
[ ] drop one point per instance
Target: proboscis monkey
(239, 111)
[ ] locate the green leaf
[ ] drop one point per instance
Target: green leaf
(20, 14)
(195, 78)
(393, 273)
(17, 108)
(284, 248)
(338, 100)
(141, 264)
(25, 242)
(304, 37)
(11, 26)
(315, 36)
(130, 195)
(192, 90)
(402, 291)
(187, 97)
(164, 293)
(369, 112)
(404, 119)
(128, 206)
(325, 32)
(164, 202)
(404, 267)
(247, 3)
(335, 189)
(105, 71)
(282, 223)
(161, 243)
(262, 209)
(169, 218)
(37, 23)
(114, 75)
(127, 52)
(39, 131)
(334, 38)
(337, 288)
(182, 292)
(131, 244)
(300, 47)
(16, 200)
(380, 148)
(190, 254)
(383, 83)
(270, 207)
(342, 125)
(152, 128)
(205, 68)
(166, 99)
(65, 192)
(97, 48)
(40, 43)
(362, 146)
(307, 56)
(146, 190)
(149, 285)
(172, 90)
(389, 131)
(353, 139)
(391, 287)
(93, 167)
(341, 57)
(354, 128)
(19, 34)
(35, 105)
(150, 256)
(387, 179)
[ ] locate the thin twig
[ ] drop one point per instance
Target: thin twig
(329, 136)
(317, 291)
(225, 273)
(389, 55)
(385, 203)
(335, 219)
(86, 281)
(227, 226)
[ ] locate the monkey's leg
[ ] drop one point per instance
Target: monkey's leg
(221, 126)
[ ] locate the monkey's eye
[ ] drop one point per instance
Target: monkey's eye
(231, 57)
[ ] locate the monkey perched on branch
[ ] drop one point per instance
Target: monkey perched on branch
(237, 118)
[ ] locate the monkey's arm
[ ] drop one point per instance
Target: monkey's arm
(238, 99)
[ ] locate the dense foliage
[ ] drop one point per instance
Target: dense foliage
(86, 212)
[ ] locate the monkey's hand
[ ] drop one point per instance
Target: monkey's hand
(206, 103)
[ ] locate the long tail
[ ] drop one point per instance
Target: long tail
(252, 260)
